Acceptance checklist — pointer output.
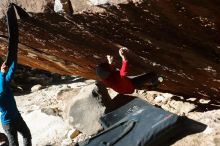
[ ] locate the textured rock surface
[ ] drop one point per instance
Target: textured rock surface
(180, 40)
(36, 6)
(85, 109)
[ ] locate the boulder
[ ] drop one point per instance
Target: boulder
(85, 109)
(36, 88)
(35, 6)
(178, 40)
(45, 129)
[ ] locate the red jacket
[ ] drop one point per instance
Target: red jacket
(118, 81)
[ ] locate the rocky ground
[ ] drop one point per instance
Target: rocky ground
(44, 107)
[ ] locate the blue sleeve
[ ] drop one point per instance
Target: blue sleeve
(2, 83)
(11, 72)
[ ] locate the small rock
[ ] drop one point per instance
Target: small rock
(191, 99)
(20, 88)
(36, 88)
(73, 133)
(179, 107)
(204, 101)
(81, 137)
(112, 93)
(51, 111)
(159, 99)
(160, 79)
(167, 95)
(66, 142)
(58, 7)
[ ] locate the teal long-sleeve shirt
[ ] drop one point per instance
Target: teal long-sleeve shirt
(8, 107)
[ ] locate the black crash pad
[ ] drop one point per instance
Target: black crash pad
(138, 123)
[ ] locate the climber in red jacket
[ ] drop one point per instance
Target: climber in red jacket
(119, 81)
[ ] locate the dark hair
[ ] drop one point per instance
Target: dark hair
(103, 70)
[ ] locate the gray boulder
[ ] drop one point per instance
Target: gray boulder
(85, 109)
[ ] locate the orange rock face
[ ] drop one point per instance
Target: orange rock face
(179, 40)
